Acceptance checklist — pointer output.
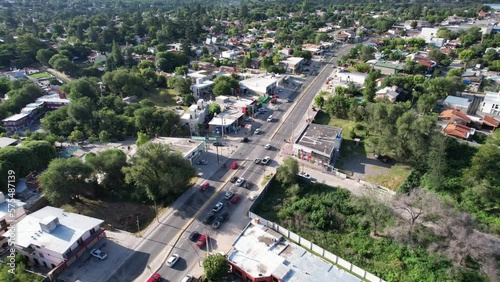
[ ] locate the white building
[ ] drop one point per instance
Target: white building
(202, 87)
(263, 85)
(293, 64)
(491, 103)
(355, 77)
(387, 92)
(195, 115)
(52, 236)
(10, 211)
(231, 54)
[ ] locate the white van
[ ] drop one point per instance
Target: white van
(270, 118)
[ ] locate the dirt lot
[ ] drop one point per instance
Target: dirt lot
(121, 215)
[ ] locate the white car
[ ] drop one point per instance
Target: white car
(305, 175)
(257, 131)
(268, 147)
(240, 181)
(253, 197)
(98, 253)
(187, 278)
(228, 195)
(218, 207)
(266, 160)
(270, 118)
(172, 260)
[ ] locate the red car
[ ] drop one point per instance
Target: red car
(234, 165)
(202, 241)
(204, 186)
(235, 199)
(155, 278)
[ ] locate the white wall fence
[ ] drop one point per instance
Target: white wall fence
(317, 249)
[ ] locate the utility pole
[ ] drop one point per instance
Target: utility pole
(138, 227)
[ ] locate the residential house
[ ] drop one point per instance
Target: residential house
(230, 54)
(457, 103)
(52, 237)
(491, 103)
(195, 115)
(202, 87)
(473, 80)
(454, 116)
(98, 57)
(11, 210)
(315, 49)
(255, 63)
(355, 77)
(491, 122)
(430, 36)
(388, 68)
(292, 64)
(459, 131)
(387, 93)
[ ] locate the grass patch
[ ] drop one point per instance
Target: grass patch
(164, 98)
(121, 215)
(41, 75)
(393, 178)
(266, 179)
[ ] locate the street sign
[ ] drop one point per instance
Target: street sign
(202, 138)
(213, 138)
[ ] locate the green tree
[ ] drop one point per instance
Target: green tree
(44, 55)
(76, 136)
(64, 180)
(338, 106)
(117, 56)
(214, 108)
(375, 209)
(107, 167)
(215, 267)
(437, 162)
(104, 136)
(158, 172)
(484, 165)
(43, 152)
(466, 56)
(319, 101)
(267, 45)
(287, 172)
(182, 70)
(142, 138)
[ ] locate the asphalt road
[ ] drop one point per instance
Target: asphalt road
(187, 206)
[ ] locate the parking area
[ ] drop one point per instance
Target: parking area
(117, 244)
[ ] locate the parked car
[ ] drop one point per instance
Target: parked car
(202, 241)
(234, 165)
(252, 197)
(305, 175)
(187, 278)
(228, 195)
(209, 218)
(235, 199)
(155, 278)
(204, 186)
(216, 225)
(202, 162)
(233, 179)
(268, 147)
(194, 236)
(266, 160)
(245, 140)
(172, 260)
(218, 207)
(257, 161)
(240, 181)
(247, 185)
(257, 131)
(224, 216)
(218, 144)
(98, 253)
(270, 118)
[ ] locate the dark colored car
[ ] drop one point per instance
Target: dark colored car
(194, 236)
(245, 140)
(224, 216)
(235, 199)
(233, 179)
(247, 185)
(218, 144)
(382, 158)
(210, 217)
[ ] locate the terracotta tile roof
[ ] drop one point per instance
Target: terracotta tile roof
(491, 121)
(458, 114)
(424, 62)
(457, 130)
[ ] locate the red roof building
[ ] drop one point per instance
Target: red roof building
(458, 130)
(454, 116)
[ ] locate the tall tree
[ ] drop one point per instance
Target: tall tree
(117, 56)
(375, 209)
(107, 167)
(216, 267)
(287, 172)
(436, 161)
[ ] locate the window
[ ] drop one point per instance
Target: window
(40, 254)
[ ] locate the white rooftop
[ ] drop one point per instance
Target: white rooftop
(71, 227)
(5, 141)
(260, 252)
(15, 117)
(492, 97)
(259, 84)
(7, 207)
(292, 60)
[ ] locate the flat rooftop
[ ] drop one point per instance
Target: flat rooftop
(182, 145)
(320, 138)
(260, 251)
(5, 141)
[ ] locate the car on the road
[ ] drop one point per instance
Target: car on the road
(270, 118)
(305, 175)
(266, 160)
(234, 165)
(235, 199)
(202, 162)
(194, 236)
(172, 260)
(224, 216)
(247, 185)
(202, 241)
(218, 207)
(228, 195)
(262, 110)
(240, 181)
(257, 161)
(204, 186)
(245, 140)
(209, 218)
(252, 197)
(233, 179)
(216, 225)
(187, 278)
(218, 144)
(98, 253)
(257, 131)
(268, 147)
(155, 278)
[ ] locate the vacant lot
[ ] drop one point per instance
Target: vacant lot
(165, 98)
(121, 215)
(41, 75)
